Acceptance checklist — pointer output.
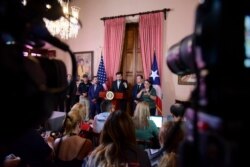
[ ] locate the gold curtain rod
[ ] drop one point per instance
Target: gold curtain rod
(141, 13)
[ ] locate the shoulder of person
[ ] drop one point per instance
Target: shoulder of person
(86, 147)
(153, 89)
(57, 141)
(151, 123)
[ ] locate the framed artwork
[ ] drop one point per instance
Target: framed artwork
(189, 79)
(84, 63)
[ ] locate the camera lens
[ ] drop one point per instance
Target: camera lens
(180, 57)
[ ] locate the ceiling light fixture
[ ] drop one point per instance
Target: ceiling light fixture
(68, 26)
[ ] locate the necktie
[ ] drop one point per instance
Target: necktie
(118, 84)
(138, 88)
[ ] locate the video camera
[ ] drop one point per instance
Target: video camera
(30, 86)
(218, 53)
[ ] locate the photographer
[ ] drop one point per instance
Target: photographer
(217, 50)
(31, 85)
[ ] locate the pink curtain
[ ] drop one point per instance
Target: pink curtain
(151, 37)
(113, 45)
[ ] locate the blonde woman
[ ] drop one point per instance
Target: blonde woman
(145, 129)
(80, 109)
(71, 149)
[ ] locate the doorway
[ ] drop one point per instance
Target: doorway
(131, 64)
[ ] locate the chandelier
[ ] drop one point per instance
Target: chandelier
(68, 26)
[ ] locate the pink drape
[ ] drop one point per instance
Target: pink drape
(113, 45)
(151, 37)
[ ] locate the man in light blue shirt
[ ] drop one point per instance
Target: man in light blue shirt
(100, 119)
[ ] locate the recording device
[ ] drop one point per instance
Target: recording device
(30, 86)
(218, 53)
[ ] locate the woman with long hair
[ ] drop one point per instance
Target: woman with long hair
(170, 137)
(145, 129)
(71, 149)
(148, 94)
(80, 109)
(118, 144)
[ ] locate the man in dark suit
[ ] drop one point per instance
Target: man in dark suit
(135, 90)
(67, 99)
(94, 99)
(120, 85)
(70, 93)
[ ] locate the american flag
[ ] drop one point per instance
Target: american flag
(155, 78)
(101, 74)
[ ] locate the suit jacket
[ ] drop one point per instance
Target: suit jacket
(136, 90)
(94, 94)
(121, 88)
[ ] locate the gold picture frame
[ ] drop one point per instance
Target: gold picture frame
(189, 79)
(84, 60)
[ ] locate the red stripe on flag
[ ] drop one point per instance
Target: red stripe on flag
(158, 100)
(158, 105)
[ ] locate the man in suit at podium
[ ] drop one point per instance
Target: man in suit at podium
(120, 85)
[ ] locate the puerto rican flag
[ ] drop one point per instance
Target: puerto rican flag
(155, 78)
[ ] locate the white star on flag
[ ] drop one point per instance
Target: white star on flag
(155, 78)
(154, 74)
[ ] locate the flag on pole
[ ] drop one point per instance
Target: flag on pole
(101, 74)
(155, 78)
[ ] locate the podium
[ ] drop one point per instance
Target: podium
(116, 97)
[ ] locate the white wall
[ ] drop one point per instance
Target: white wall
(179, 23)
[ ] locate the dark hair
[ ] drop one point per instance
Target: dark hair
(171, 134)
(106, 105)
(139, 75)
(85, 76)
(94, 77)
(177, 109)
(119, 73)
(149, 81)
(118, 128)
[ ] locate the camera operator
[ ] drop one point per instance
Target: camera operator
(31, 84)
(217, 50)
